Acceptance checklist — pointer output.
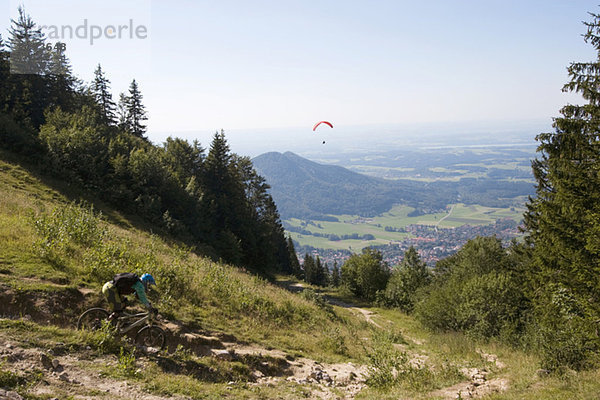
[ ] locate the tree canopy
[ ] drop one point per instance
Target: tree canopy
(563, 220)
(215, 202)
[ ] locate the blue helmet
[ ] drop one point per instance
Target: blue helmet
(147, 280)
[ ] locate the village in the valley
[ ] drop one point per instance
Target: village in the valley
(433, 243)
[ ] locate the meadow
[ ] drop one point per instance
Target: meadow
(398, 218)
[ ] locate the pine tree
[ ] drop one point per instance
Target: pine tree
(259, 218)
(224, 204)
(58, 64)
(563, 220)
(100, 89)
(136, 112)
(335, 275)
(321, 274)
(275, 242)
(217, 181)
(60, 79)
(4, 76)
(309, 267)
(27, 96)
(294, 263)
(122, 117)
(29, 55)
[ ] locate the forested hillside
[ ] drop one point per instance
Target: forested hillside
(213, 200)
(303, 188)
(309, 190)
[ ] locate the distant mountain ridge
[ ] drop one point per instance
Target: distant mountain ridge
(305, 189)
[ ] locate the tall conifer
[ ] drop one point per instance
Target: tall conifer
(101, 90)
(29, 62)
(563, 220)
(4, 76)
(309, 267)
(28, 53)
(294, 263)
(136, 111)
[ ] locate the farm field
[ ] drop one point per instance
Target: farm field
(397, 218)
(449, 164)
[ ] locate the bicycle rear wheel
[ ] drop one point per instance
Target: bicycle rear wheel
(151, 336)
(92, 319)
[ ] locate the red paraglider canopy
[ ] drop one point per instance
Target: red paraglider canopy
(322, 122)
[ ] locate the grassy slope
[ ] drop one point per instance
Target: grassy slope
(213, 298)
(211, 295)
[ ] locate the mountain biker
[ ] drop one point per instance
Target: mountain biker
(124, 284)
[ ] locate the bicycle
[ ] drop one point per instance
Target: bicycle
(149, 335)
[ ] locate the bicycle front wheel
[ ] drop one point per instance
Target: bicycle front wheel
(92, 319)
(151, 336)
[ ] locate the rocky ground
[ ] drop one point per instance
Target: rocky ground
(75, 373)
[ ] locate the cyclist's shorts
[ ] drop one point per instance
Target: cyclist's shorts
(112, 295)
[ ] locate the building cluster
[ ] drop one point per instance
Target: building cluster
(432, 243)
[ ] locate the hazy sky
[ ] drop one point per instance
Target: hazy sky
(224, 64)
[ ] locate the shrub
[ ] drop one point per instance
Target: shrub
(478, 292)
(562, 331)
(365, 274)
(389, 367)
(17, 138)
(106, 260)
(9, 380)
(126, 363)
(335, 341)
(384, 361)
(402, 288)
(105, 339)
(76, 144)
(65, 226)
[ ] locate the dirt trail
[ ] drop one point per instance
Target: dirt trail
(73, 373)
(299, 286)
(68, 375)
(325, 381)
(357, 310)
(478, 384)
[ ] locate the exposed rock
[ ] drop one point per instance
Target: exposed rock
(9, 395)
(46, 361)
(225, 355)
(148, 350)
(257, 374)
(196, 339)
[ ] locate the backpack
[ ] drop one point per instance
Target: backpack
(124, 282)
